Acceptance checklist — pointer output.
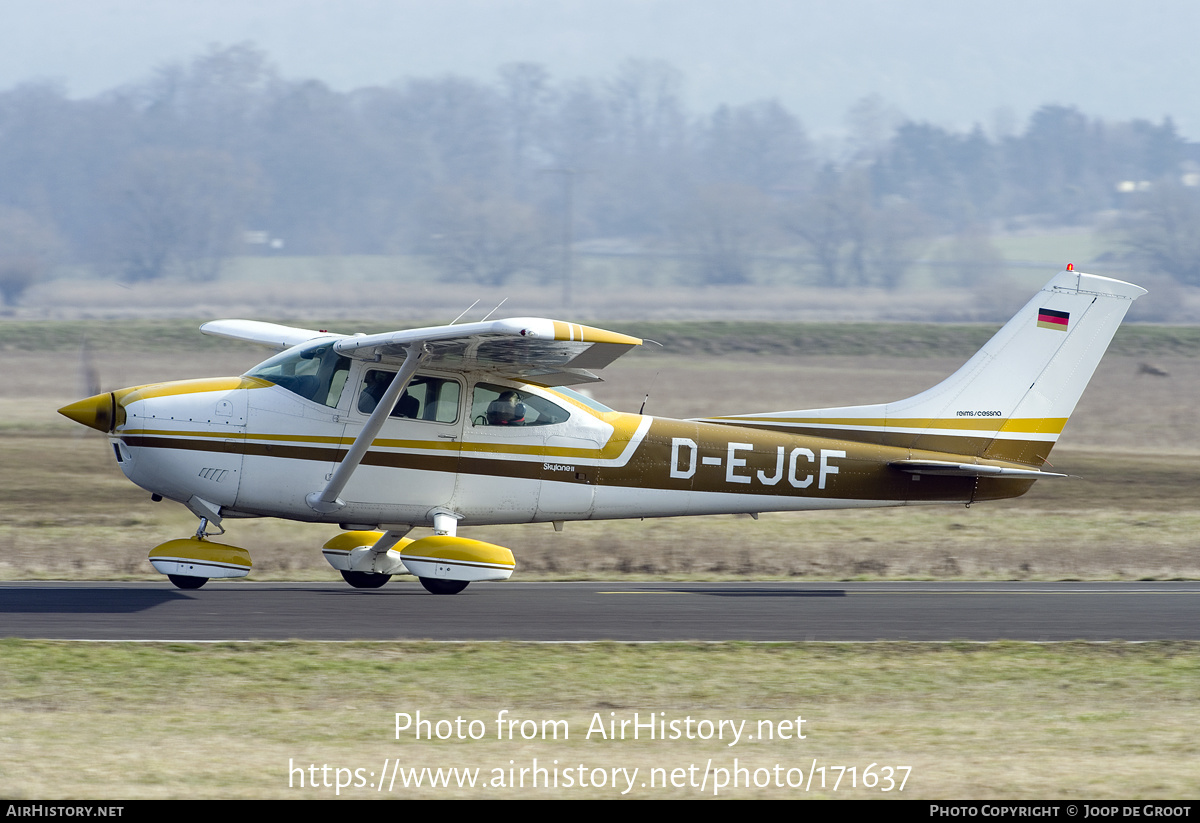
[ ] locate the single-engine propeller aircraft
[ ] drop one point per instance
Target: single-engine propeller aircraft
(473, 424)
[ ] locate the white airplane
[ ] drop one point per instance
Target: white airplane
(458, 425)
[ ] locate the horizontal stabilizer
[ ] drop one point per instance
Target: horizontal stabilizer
(947, 469)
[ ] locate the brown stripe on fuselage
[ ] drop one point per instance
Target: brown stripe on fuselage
(237, 445)
(990, 447)
(863, 473)
(773, 463)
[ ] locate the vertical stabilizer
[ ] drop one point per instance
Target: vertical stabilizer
(1008, 402)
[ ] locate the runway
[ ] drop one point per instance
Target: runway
(591, 611)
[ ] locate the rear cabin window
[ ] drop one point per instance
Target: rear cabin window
(425, 398)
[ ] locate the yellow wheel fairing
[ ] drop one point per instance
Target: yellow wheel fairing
(193, 557)
(348, 541)
(457, 558)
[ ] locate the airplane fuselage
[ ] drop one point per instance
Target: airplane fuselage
(253, 448)
(449, 425)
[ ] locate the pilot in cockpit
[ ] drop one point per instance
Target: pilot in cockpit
(506, 410)
(376, 386)
(377, 383)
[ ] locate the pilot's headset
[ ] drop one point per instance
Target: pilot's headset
(506, 410)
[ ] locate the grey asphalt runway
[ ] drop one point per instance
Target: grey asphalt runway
(402, 610)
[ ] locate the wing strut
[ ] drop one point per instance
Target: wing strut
(327, 501)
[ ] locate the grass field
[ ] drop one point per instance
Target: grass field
(1011, 720)
(1008, 720)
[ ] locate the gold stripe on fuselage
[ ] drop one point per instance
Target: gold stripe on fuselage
(725, 460)
(1024, 425)
(767, 456)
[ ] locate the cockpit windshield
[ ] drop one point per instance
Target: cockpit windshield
(315, 372)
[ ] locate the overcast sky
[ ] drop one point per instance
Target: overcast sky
(952, 62)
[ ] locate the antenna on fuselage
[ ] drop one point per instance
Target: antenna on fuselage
(493, 311)
(646, 399)
(467, 309)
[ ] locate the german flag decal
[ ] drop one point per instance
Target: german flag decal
(1051, 319)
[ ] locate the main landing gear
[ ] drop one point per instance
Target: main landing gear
(365, 580)
(435, 585)
(359, 580)
(443, 562)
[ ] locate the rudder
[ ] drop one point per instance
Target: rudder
(1011, 400)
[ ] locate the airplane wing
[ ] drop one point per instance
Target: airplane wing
(264, 334)
(530, 349)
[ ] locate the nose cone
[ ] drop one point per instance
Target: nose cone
(97, 412)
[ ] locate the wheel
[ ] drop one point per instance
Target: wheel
(186, 581)
(365, 580)
(434, 585)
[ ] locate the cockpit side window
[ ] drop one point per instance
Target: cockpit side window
(425, 398)
(316, 373)
(502, 406)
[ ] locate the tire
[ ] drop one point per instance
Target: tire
(366, 580)
(186, 581)
(435, 585)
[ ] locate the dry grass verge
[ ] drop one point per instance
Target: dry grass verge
(1007, 720)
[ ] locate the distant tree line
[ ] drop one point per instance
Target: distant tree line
(173, 175)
